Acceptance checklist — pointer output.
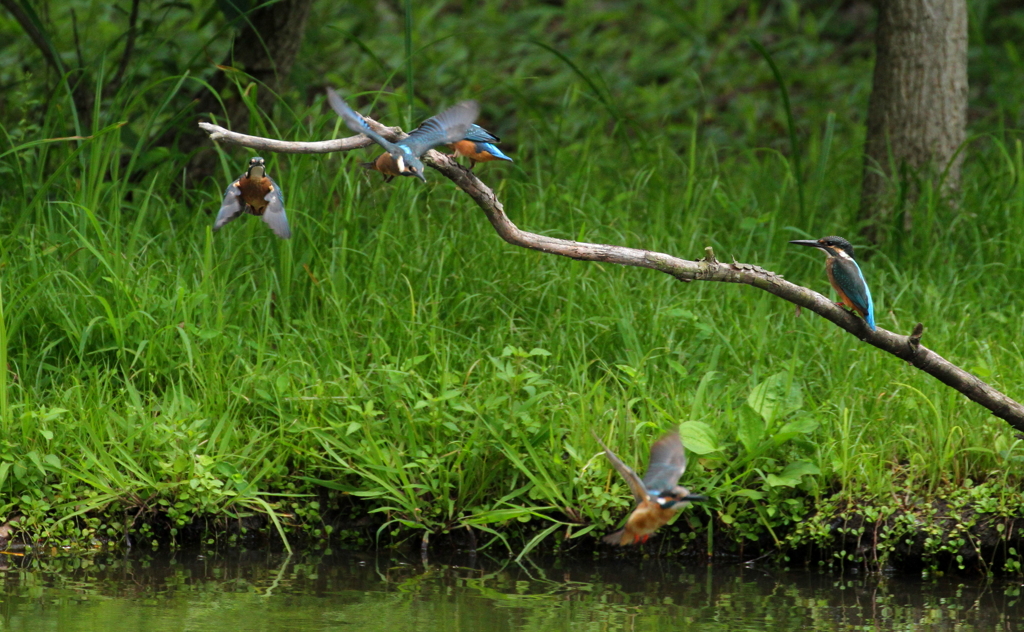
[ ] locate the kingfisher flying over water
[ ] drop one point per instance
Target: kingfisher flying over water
(447, 127)
(845, 276)
(658, 495)
(255, 193)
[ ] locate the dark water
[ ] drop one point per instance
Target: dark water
(249, 591)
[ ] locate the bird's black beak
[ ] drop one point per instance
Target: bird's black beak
(813, 243)
(421, 176)
(695, 498)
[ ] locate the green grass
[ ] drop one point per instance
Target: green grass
(396, 351)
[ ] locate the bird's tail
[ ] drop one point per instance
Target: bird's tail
(494, 151)
(372, 166)
(614, 538)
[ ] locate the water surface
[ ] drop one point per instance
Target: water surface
(254, 591)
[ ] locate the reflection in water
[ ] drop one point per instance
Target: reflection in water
(251, 591)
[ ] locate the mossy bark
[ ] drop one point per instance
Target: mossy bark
(917, 113)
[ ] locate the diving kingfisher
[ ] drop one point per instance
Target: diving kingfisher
(658, 496)
(447, 127)
(845, 276)
(255, 193)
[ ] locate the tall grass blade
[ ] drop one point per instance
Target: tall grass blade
(794, 145)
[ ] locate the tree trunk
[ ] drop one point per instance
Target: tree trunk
(265, 49)
(917, 114)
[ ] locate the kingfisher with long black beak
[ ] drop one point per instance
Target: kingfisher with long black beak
(447, 127)
(845, 276)
(256, 194)
(658, 494)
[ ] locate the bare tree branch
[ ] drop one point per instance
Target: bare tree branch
(286, 147)
(908, 348)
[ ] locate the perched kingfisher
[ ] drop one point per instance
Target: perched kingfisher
(255, 193)
(446, 127)
(845, 276)
(658, 496)
(478, 146)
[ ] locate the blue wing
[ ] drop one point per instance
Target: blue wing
(274, 215)
(478, 134)
(231, 207)
(668, 461)
(635, 484)
(354, 121)
(851, 280)
(447, 127)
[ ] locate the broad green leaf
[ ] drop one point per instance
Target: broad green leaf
(38, 462)
(698, 437)
(776, 397)
(750, 430)
(496, 515)
(790, 477)
(802, 426)
(749, 493)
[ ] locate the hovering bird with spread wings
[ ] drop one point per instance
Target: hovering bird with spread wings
(256, 194)
(658, 494)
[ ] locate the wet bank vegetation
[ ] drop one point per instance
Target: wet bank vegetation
(396, 375)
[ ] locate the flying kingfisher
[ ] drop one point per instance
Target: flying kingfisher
(478, 146)
(255, 193)
(447, 127)
(845, 276)
(658, 496)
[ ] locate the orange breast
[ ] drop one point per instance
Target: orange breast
(386, 165)
(253, 193)
(467, 148)
(647, 518)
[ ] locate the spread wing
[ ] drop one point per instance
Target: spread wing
(354, 121)
(231, 207)
(668, 461)
(447, 127)
(478, 134)
(635, 484)
(274, 215)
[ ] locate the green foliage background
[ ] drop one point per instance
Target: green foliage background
(395, 356)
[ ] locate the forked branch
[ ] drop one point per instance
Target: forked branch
(908, 348)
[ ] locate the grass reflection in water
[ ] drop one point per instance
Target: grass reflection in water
(260, 591)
